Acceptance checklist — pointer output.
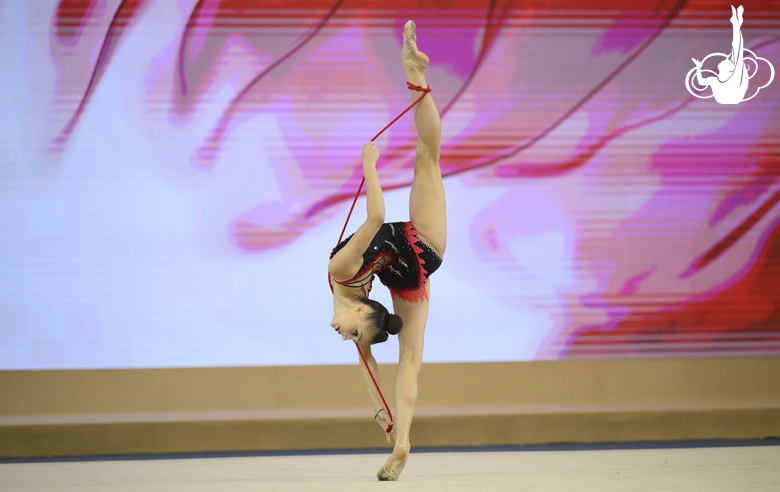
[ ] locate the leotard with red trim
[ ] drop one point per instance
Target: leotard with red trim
(400, 259)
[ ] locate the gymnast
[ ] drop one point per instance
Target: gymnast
(731, 84)
(403, 255)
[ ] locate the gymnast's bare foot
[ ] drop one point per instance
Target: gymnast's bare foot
(414, 60)
(394, 465)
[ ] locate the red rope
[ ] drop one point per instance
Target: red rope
(425, 92)
(384, 402)
(410, 86)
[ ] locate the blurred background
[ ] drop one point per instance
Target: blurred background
(174, 174)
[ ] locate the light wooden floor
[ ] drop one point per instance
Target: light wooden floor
(723, 468)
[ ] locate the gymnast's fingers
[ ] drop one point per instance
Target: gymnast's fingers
(390, 435)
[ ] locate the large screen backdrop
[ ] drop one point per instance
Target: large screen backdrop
(173, 175)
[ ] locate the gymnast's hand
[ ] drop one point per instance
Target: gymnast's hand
(370, 153)
(383, 419)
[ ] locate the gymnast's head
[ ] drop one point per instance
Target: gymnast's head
(725, 69)
(369, 322)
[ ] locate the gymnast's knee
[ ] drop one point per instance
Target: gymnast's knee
(411, 359)
(426, 153)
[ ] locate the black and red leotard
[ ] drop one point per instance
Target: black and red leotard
(401, 259)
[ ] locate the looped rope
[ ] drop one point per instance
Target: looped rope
(418, 88)
(425, 92)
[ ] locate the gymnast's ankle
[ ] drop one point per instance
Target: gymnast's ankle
(401, 450)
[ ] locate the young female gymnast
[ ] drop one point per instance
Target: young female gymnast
(403, 255)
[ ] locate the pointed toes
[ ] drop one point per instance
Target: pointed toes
(410, 31)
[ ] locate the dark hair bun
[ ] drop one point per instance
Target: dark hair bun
(394, 324)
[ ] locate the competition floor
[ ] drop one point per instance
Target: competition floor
(691, 466)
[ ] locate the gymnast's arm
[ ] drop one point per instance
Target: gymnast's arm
(702, 81)
(380, 416)
(348, 260)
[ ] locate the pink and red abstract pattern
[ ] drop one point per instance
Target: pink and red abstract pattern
(584, 181)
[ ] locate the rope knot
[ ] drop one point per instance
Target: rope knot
(413, 87)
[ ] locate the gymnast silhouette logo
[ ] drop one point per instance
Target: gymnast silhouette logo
(730, 84)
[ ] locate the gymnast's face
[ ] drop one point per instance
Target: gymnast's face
(351, 324)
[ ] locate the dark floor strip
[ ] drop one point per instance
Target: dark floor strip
(716, 443)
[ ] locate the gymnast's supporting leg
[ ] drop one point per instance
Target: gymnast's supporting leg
(410, 341)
